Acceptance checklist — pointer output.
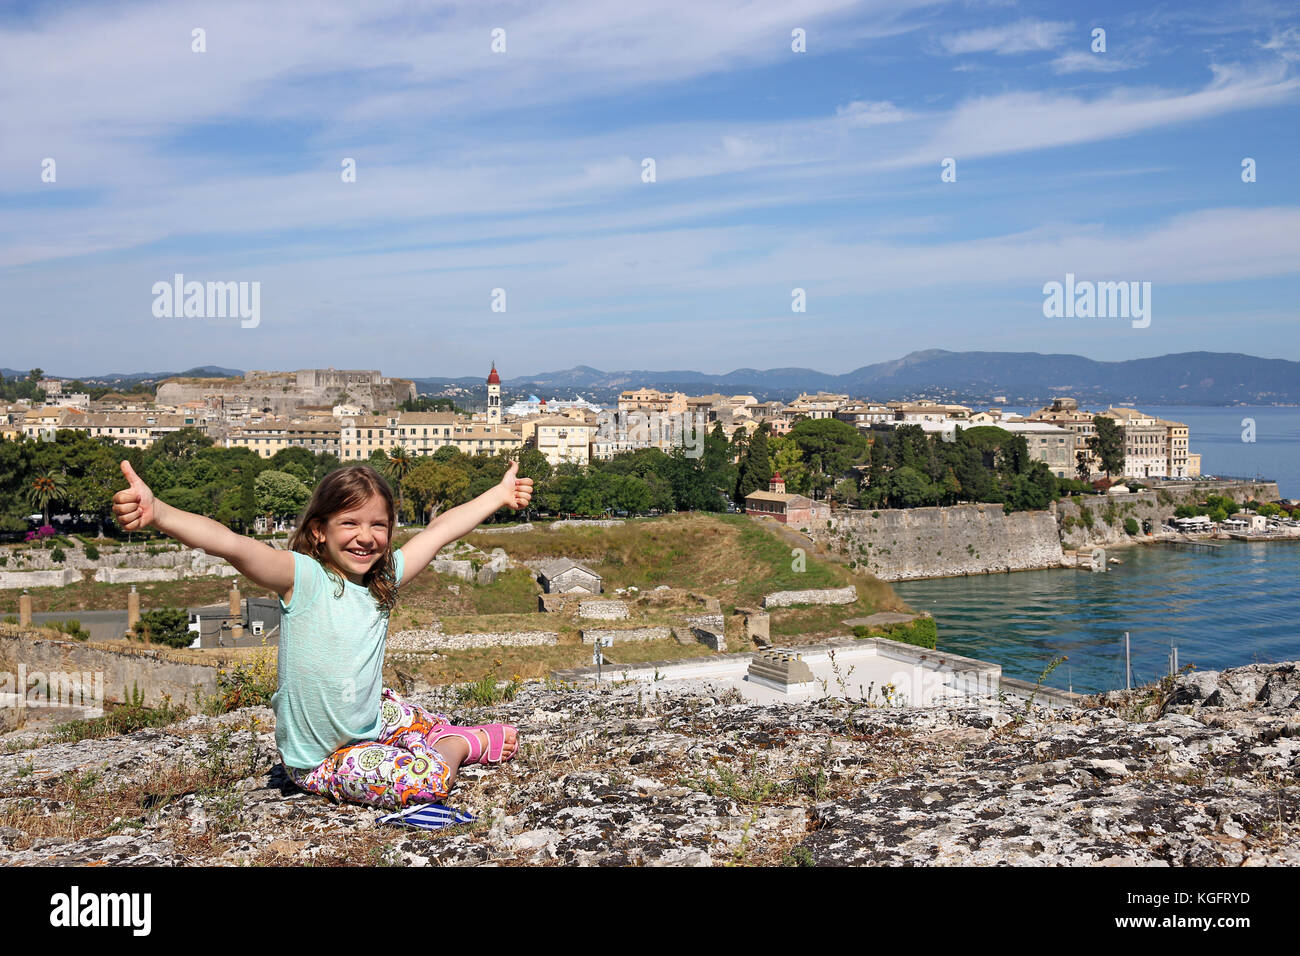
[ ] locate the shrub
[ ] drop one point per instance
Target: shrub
(125, 719)
(249, 683)
(72, 628)
(1131, 526)
(168, 625)
(57, 555)
(921, 632)
(485, 691)
(92, 552)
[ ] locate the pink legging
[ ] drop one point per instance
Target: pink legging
(395, 770)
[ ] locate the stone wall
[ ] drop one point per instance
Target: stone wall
(624, 635)
(1152, 504)
(139, 575)
(813, 596)
(604, 610)
(1108, 513)
(38, 579)
(115, 556)
(587, 523)
(900, 544)
(434, 640)
(147, 669)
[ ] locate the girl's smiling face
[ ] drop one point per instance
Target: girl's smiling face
(356, 538)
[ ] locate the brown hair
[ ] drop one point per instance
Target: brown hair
(340, 490)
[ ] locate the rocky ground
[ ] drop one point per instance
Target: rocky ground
(1201, 771)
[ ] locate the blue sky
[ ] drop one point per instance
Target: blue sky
(522, 170)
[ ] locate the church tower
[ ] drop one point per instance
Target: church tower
(494, 397)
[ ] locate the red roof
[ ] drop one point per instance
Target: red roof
(493, 377)
(777, 477)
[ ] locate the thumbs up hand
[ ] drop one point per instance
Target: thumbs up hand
(133, 506)
(515, 492)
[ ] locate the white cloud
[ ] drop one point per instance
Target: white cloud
(865, 113)
(1024, 36)
(1079, 61)
(1023, 121)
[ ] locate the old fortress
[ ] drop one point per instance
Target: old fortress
(354, 413)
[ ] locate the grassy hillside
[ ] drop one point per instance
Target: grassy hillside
(729, 557)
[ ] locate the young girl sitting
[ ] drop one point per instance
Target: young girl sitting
(338, 730)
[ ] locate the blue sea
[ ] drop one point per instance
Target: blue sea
(1237, 606)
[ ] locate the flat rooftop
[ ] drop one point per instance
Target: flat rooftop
(875, 670)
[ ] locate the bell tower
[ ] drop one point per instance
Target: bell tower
(494, 396)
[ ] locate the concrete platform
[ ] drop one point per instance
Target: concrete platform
(876, 670)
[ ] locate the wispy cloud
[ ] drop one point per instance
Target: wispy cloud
(1023, 36)
(1078, 61)
(774, 169)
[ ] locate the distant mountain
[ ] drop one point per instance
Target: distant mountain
(1187, 378)
(112, 378)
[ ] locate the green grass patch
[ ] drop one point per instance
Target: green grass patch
(921, 632)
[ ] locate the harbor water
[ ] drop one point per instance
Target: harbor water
(1238, 605)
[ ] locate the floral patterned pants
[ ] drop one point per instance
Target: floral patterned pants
(394, 771)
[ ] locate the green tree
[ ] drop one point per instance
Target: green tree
(755, 468)
(169, 626)
(787, 460)
(182, 443)
(1108, 444)
(434, 485)
(399, 465)
(909, 488)
(45, 489)
(279, 494)
(829, 446)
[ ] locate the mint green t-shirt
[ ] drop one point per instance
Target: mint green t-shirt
(330, 665)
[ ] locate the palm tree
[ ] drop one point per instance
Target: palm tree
(399, 464)
(46, 488)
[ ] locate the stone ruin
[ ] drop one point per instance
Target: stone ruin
(779, 670)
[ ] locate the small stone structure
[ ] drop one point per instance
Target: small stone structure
(780, 671)
(709, 630)
(587, 523)
(755, 626)
(819, 596)
(555, 603)
(564, 575)
(470, 564)
(508, 529)
(603, 610)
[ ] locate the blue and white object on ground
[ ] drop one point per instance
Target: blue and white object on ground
(428, 816)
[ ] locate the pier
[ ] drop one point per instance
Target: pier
(1183, 543)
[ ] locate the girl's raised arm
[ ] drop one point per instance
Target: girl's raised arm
(137, 508)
